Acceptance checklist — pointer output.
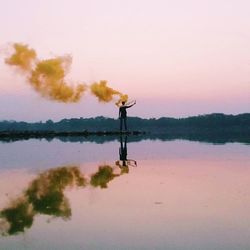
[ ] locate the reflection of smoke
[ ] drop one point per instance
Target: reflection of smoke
(47, 77)
(18, 216)
(46, 192)
(101, 178)
(43, 196)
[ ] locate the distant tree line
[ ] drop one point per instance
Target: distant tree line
(217, 123)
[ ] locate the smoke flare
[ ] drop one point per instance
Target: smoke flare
(105, 93)
(47, 77)
(23, 57)
(123, 98)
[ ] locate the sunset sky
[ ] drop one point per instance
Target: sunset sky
(176, 58)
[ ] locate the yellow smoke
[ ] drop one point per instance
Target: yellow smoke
(23, 57)
(123, 98)
(47, 77)
(105, 93)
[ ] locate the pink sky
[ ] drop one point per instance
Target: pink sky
(177, 58)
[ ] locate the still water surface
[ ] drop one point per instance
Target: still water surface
(117, 195)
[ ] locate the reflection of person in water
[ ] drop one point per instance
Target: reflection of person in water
(123, 114)
(45, 195)
(124, 163)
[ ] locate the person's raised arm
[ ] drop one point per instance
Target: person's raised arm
(129, 106)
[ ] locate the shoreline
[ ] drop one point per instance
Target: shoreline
(206, 136)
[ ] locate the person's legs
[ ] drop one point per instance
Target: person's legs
(121, 123)
(125, 123)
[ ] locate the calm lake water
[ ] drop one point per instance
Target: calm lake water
(116, 195)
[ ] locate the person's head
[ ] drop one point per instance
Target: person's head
(123, 103)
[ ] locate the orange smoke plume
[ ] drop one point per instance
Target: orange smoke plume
(123, 98)
(105, 93)
(47, 77)
(23, 57)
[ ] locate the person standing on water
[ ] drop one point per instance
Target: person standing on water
(123, 114)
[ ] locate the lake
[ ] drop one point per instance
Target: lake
(124, 193)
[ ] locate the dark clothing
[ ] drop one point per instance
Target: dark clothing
(123, 111)
(124, 162)
(123, 120)
(123, 151)
(123, 116)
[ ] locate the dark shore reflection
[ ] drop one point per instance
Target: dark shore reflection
(214, 138)
(45, 194)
